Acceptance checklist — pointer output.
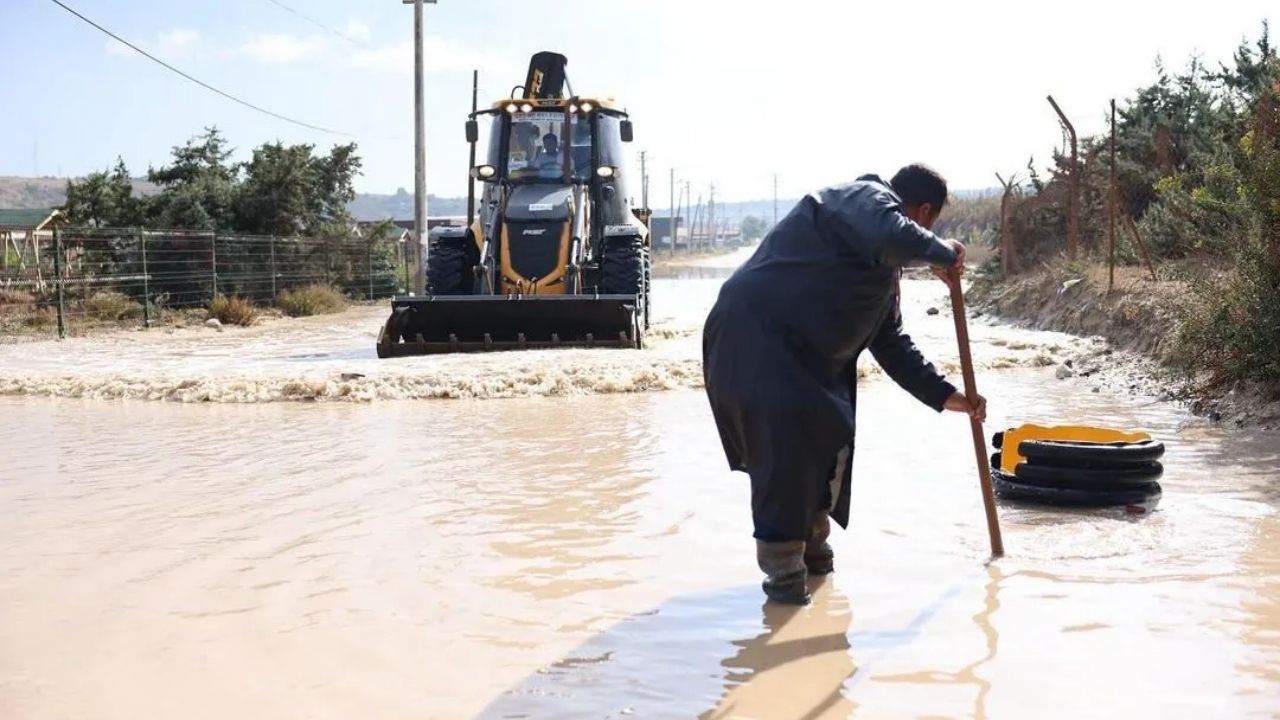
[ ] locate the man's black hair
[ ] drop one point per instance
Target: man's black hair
(918, 184)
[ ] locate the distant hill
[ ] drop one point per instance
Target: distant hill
(399, 206)
(43, 192)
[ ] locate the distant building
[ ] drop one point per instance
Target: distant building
(404, 228)
(22, 233)
(660, 232)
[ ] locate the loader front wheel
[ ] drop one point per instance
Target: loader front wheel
(450, 263)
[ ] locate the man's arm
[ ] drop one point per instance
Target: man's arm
(902, 361)
(872, 221)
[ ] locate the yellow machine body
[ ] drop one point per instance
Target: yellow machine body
(1009, 456)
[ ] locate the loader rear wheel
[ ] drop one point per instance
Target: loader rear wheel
(623, 266)
(449, 265)
(648, 287)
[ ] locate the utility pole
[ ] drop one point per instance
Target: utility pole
(775, 198)
(688, 202)
(471, 182)
(711, 216)
(644, 181)
(419, 155)
(672, 212)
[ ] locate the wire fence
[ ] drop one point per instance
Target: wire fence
(76, 278)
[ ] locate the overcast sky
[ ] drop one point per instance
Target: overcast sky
(725, 91)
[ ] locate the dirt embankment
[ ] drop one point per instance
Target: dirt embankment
(1139, 318)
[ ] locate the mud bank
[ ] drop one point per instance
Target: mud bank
(1139, 323)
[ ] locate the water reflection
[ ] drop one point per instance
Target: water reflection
(797, 666)
(968, 674)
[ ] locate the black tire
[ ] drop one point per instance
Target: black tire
(648, 286)
(1088, 455)
(398, 325)
(1010, 489)
(625, 271)
(623, 266)
(1116, 478)
(450, 263)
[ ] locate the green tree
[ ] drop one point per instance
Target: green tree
(198, 188)
(104, 199)
(288, 190)
(752, 228)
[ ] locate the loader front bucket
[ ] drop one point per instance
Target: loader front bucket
(479, 323)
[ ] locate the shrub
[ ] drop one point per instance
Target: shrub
(233, 310)
(111, 306)
(312, 300)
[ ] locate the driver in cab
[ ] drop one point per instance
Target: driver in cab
(549, 158)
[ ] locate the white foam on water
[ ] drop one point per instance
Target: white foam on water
(332, 358)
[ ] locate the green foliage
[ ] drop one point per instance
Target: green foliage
(312, 300)
(104, 199)
(1232, 331)
(233, 310)
(753, 228)
(281, 190)
(287, 190)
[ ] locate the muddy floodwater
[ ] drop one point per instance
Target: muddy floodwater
(566, 548)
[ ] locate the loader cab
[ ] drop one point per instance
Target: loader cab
(571, 142)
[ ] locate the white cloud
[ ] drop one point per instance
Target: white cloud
(276, 48)
(176, 44)
(442, 56)
(117, 49)
(178, 40)
(357, 30)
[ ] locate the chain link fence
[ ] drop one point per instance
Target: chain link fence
(75, 279)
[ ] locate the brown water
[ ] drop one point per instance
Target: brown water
(590, 556)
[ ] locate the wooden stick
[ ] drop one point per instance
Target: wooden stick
(971, 392)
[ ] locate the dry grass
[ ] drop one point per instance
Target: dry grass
(16, 297)
(312, 300)
(233, 310)
(111, 307)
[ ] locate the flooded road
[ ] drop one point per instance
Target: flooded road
(585, 553)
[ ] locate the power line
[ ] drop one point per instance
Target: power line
(197, 81)
(318, 24)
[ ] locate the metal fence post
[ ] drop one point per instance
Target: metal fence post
(57, 271)
(328, 261)
(404, 254)
(274, 295)
(213, 256)
(368, 264)
(146, 281)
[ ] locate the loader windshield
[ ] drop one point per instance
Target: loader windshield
(535, 149)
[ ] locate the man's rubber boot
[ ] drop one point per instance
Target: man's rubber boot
(819, 558)
(785, 574)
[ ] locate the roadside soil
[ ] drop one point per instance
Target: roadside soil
(1139, 322)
